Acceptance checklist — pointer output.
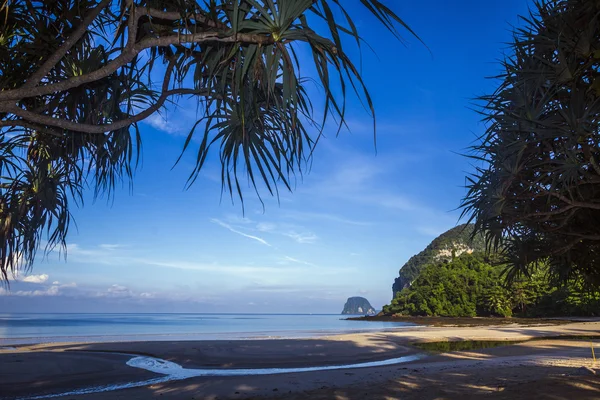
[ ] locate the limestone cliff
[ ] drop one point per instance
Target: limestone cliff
(449, 244)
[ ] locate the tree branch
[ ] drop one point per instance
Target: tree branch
(102, 128)
(581, 235)
(64, 48)
(13, 123)
(549, 213)
(593, 206)
(125, 57)
(174, 16)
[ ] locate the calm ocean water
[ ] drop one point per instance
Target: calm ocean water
(38, 328)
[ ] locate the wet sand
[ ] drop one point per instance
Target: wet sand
(532, 368)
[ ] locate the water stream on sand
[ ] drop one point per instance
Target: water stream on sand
(175, 372)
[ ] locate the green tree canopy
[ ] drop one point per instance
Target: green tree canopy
(76, 78)
(470, 285)
(536, 189)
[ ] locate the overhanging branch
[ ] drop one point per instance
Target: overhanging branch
(66, 46)
(131, 50)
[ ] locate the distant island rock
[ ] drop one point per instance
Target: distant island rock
(358, 306)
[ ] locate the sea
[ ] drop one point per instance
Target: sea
(48, 328)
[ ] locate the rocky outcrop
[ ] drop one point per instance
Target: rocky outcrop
(448, 245)
(358, 306)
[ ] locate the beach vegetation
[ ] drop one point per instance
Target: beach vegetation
(472, 285)
(78, 77)
(535, 192)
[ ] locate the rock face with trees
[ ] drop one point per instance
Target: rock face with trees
(473, 284)
(450, 244)
(535, 193)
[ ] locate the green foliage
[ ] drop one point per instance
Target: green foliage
(463, 345)
(470, 286)
(461, 235)
(76, 78)
(449, 289)
(536, 188)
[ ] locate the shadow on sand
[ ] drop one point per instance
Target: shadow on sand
(490, 373)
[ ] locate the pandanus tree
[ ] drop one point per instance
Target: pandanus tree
(77, 78)
(536, 189)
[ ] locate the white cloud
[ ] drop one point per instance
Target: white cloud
(157, 121)
(110, 246)
(266, 227)
(303, 238)
(55, 282)
(236, 219)
(73, 249)
(295, 260)
(230, 228)
(35, 278)
(50, 291)
(301, 215)
(119, 291)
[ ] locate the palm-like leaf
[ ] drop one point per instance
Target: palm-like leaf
(77, 77)
(536, 191)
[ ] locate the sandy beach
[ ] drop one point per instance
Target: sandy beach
(543, 369)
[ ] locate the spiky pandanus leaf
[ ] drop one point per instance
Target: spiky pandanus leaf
(536, 189)
(76, 78)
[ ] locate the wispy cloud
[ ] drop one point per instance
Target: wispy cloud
(304, 238)
(298, 233)
(50, 291)
(302, 216)
(266, 227)
(295, 260)
(110, 246)
(116, 258)
(365, 181)
(232, 229)
(118, 291)
(161, 123)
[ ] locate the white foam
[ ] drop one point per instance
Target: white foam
(100, 389)
(175, 372)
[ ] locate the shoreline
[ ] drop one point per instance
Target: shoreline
(407, 322)
(471, 321)
(157, 327)
(59, 367)
(191, 337)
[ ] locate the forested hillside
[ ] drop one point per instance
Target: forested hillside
(469, 285)
(454, 242)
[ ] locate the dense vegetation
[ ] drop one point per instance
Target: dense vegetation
(471, 285)
(535, 194)
(455, 240)
(536, 189)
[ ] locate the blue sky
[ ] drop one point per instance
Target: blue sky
(344, 231)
